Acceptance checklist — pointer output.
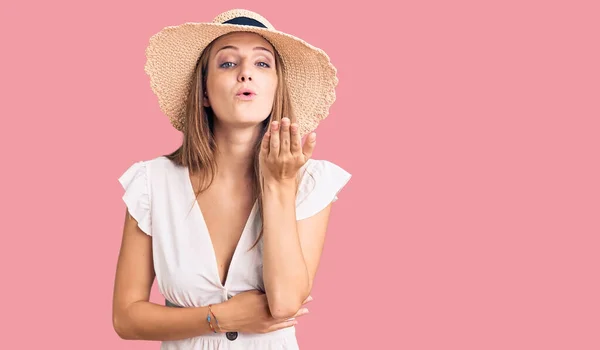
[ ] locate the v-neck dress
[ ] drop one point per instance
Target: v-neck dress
(160, 196)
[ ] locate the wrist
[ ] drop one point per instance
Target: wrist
(279, 185)
(222, 318)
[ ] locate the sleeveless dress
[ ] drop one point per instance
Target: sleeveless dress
(160, 196)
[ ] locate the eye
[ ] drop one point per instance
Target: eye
(264, 65)
(225, 65)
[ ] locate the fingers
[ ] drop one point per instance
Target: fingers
(282, 325)
(282, 151)
(279, 324)
(301, 312)
(307, 300)
(274, 149)
(296, 140)
(309, 145)
(289, 322)
(285, 136)
(264, 147)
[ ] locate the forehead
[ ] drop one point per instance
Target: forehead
(242, 40)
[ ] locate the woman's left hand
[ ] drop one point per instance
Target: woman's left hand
(281, 151)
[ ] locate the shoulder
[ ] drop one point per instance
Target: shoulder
(322, 165)
(141, 174)
(320, 172)
(137, 182)
(320, 182)
(149, 166)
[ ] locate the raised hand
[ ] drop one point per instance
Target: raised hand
(281, 151)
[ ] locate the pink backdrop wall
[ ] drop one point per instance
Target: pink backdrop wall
(470, 128)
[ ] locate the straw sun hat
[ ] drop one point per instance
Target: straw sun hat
(173, 52)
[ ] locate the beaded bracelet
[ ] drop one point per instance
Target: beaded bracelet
(208, 319)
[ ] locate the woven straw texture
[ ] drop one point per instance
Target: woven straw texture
(172, 54)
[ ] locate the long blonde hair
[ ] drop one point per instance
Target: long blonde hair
(197, 151)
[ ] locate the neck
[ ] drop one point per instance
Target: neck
(235, 153)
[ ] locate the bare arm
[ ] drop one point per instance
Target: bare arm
(291, 249)
(134, 317)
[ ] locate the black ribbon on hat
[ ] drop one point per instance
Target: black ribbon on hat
(245, 21)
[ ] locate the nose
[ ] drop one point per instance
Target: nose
(245, 73)
(243, 77)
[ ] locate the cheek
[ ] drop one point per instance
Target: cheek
(270, 92)
(217, 88)
(272, 86)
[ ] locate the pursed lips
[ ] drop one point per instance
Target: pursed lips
(246, 94)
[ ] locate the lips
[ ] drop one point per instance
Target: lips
(245, 94)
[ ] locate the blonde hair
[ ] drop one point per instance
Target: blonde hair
(197, 151)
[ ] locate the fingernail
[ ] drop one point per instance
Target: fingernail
(310, 297)
(305, 311)
(313, 137)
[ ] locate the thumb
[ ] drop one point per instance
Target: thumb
(309, 145)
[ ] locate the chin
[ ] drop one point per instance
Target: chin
(250, 118)
(246, 121)
(245, 118)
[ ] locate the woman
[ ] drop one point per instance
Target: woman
(232, 223)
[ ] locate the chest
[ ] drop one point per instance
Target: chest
(226, 213)
(190, 269)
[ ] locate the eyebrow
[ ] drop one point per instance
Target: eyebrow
(255, 49)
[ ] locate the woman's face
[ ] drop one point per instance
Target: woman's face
(238, 63)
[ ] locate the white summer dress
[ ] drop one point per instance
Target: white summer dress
(159, 195)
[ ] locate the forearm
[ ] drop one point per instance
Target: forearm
(284, 270)
(144, 320)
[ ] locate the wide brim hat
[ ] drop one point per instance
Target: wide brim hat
(173, 52)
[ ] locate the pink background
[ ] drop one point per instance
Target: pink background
(471, 130)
